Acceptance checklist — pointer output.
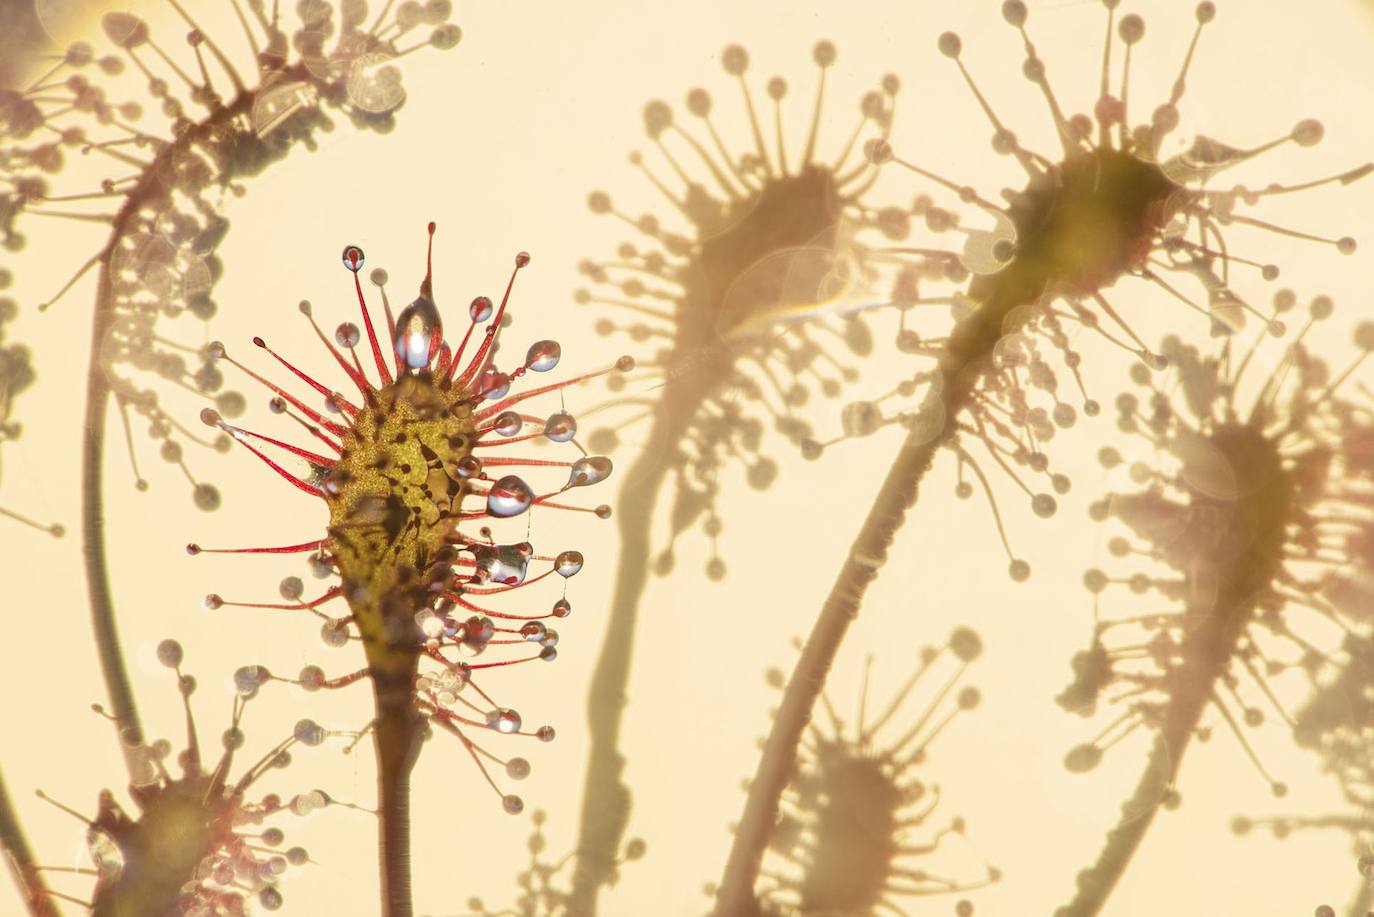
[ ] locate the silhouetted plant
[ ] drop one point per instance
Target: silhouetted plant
(159, 262)
(762, 263)
(16, 375)
(855, 834)
(1105, 211)
(1248, 499)
(197, 845)
(405, 464)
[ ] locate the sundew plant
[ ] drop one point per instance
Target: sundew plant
(520, 376)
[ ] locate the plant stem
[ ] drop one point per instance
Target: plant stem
(1095, 884)
(149, 188)
(122, 706)
(16, 849)
(898, 494)
(969, 347)
(606, 799)
(398, 746)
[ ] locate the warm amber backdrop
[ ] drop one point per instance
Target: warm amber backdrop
(500, 142)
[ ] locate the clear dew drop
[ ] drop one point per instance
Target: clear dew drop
(543, 356)
(249, 678)
(419, 333)
(334, 633)
(592, 469)
(469, 466)
(506, 564)
(347, 335)
(533, 631)
(562, 608)
(517, 768)
(510, 496)
(493, 384)
(504, 720)
(105, 853)
(861, 418)
(309, 732)
(1043, 505)
(480, 310)
(560, 427)
(513, 804)
(568, 563)
(353, 258)
(291, 588)
(508, 424)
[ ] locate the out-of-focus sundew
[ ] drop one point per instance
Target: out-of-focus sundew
(1253, 515)
(865, 828)
(502, 139)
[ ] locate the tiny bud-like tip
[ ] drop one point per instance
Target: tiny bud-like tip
(259, 342)
(625, 364)
(305, 307)
(210, 417)
(193, 549)
(522, 259)
(432, 226)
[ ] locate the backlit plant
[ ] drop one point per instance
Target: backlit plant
(750, 288)
(413, 461)
(1105, 211)
(1242, 520)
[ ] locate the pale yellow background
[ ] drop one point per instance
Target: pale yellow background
(500, 141)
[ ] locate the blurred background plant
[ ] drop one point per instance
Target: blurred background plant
(508, 167)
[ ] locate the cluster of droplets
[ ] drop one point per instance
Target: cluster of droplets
(755, 297)
(16, 375)
(410, 465)
(162, 198)
(845, 842)
(226, 855)
(1248, 509)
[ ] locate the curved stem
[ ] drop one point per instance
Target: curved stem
(1096, 883)
(605, 797)
(898, 494)
(121, 696)
(970, 344)
(149, 187)
(20, 859)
